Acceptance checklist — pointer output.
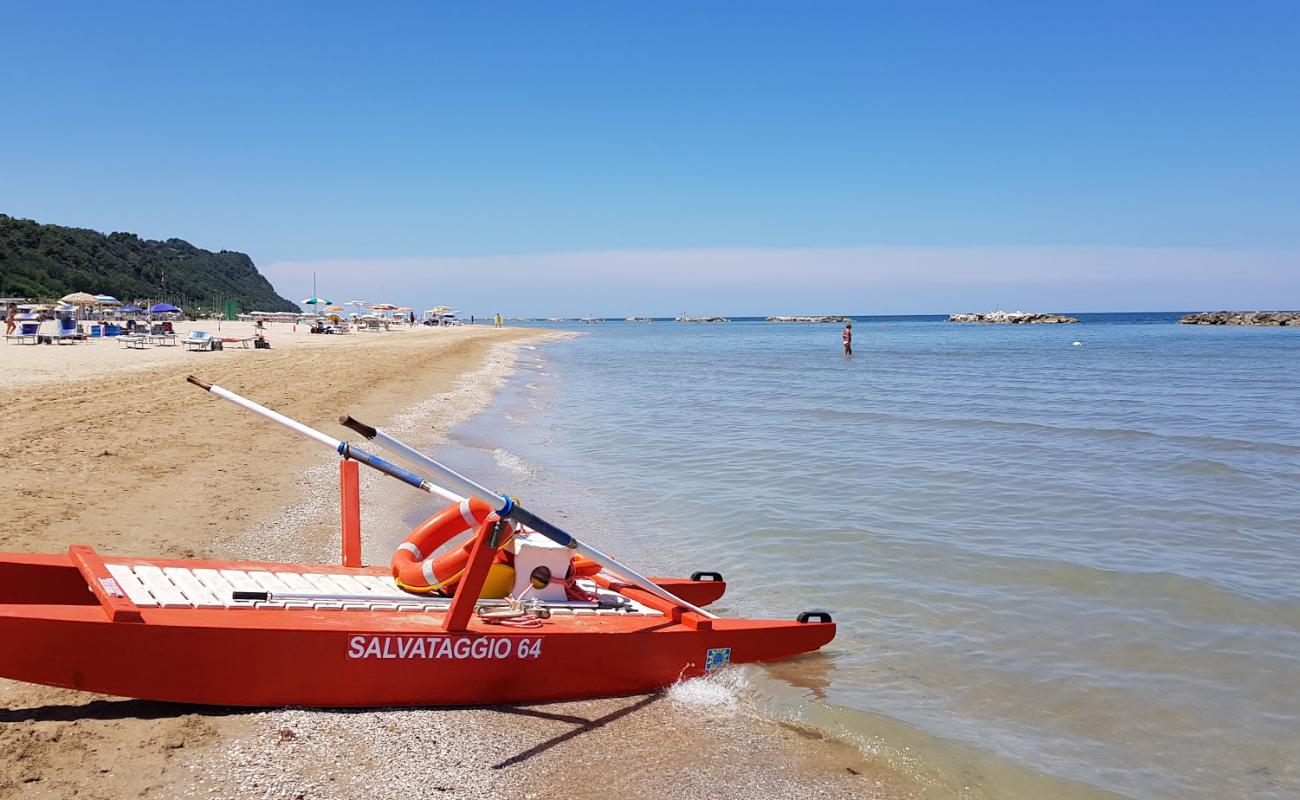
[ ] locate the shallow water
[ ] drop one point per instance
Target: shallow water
(1058, 570)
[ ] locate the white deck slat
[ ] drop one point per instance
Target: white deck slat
(324, 585)
(194, 591)
(219, 586)
(135, 591)
(351, 584)
(296, 582)
(269, 581)
(166, 593)
(240, 580)
(375, 585)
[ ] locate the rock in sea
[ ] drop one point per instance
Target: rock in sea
(1287, 318)
(1013, 318)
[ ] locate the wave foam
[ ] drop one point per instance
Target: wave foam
(718, 691)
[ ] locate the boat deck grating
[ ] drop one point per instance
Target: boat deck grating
(150, 586)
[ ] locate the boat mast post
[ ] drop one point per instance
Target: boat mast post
(486, 543)
(350, 506)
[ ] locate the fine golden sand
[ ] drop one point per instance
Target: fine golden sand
(112, 448)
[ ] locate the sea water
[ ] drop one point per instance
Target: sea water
(1058, 569)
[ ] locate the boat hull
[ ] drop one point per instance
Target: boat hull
(340, 658)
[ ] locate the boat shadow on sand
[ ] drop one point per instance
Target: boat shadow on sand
(152, 710)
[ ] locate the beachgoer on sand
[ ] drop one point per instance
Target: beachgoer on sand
(9, 319)
(498, 321)
(848, 338)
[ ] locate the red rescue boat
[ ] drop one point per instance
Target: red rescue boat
(66, 620)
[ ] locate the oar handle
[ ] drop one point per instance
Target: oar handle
(357, 425)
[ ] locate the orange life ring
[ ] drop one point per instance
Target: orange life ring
(584, 567)
(413, 563)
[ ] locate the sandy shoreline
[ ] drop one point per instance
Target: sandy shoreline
(111, 448)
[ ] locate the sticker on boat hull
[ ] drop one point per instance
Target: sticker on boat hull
(470, 648)
(716, 658)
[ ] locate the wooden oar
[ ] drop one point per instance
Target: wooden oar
(506, 507)
(509, 509)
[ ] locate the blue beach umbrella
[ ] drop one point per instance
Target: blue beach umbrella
(162, 308)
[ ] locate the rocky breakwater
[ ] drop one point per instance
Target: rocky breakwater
(807, 319)
(701, 319)
(1287, 318)
(1013, 318)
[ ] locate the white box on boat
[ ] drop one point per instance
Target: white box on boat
(533, 551)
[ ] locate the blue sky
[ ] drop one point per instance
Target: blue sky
(620, 158)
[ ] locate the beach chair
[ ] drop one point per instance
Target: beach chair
(67, 332)
(198, 340)
(133, 341)
(159, 334)
(28, 332)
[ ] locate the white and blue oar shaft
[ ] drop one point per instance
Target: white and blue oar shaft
(508, 508)
(342, 448)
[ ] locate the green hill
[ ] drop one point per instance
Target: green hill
(49, 261)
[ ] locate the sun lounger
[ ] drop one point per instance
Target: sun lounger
(26, 331)
(165, 339)
(133, 341)
(244, 343)
(67, 332)
(198, 340)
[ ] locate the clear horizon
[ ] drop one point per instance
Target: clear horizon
(575, 159)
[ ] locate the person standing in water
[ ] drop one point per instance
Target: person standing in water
(848, 337)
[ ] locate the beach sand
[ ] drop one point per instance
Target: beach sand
(110, 447)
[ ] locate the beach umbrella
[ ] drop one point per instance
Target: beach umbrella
(315, 301)
(384, 307)
(333, 308)
(79, 299)
(107, 300)
(162, 308)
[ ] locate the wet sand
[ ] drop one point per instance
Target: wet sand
(113, 449)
